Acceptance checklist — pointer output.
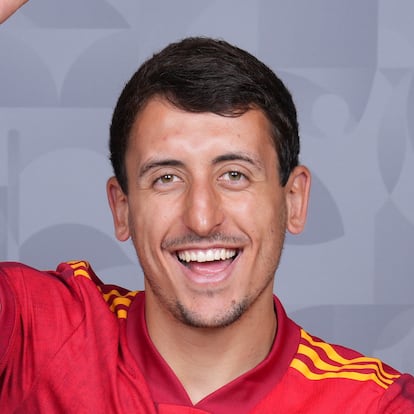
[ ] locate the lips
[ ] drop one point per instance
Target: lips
(207, 263)
(209, 255)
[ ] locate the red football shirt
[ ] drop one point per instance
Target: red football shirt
(70, 344)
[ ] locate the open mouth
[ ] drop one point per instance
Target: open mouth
(187, 257)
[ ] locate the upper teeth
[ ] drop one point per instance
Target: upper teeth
(206, 255)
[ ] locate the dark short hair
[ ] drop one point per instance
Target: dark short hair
(200, 74)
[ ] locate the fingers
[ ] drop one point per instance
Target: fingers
(8, 7)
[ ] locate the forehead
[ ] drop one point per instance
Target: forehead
(161, 127)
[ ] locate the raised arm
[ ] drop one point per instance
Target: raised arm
(8, 7)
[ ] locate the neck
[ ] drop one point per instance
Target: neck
(204, 359)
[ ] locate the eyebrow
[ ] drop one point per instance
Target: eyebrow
(239, 156)
(159, 163)
(170, 162)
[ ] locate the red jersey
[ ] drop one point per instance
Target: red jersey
(66, 347)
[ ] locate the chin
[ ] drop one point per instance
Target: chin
(222, 319)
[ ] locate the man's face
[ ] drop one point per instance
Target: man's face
(205, 211)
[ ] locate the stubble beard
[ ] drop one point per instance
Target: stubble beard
(194, 320)
(235, 310)
(233, 313)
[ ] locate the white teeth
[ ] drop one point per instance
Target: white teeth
(206, 255)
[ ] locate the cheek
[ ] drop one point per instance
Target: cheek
(243, 205)
(151, 219)
(259, 212)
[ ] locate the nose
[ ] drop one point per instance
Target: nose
(203, 209)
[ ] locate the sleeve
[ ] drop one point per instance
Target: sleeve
(39, 311)
(7, 317)
(399, 398)
(11, 352)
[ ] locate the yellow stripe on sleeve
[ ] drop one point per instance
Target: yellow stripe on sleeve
(117, 302)
(334, 356)
(346, 368)
(304, 369)
(324, 366)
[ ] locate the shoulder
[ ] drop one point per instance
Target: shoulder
(29, 285)
(349, 376)
(318, 360)
(72, 285)
(57, 320)
(21, 274)
(39, 310)
(32, 295)
(47, 307)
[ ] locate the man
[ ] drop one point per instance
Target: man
(204, 144)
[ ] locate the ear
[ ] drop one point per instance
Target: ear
(297, 198)
(118, 202)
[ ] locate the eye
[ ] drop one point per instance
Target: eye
(166, 182)
(234, 180)
(167, 179)
(233, 176)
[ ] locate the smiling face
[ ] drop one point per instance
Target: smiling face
(206, 211)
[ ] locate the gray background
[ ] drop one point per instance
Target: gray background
(350, 67)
